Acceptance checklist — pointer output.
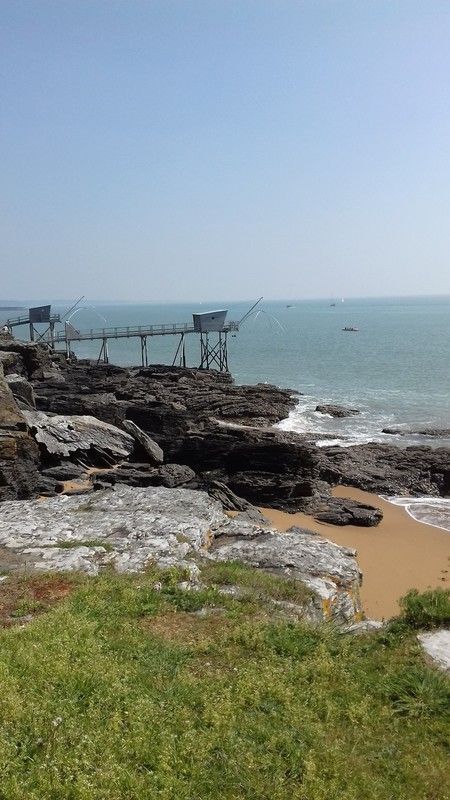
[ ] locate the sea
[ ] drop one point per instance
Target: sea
(394, 369)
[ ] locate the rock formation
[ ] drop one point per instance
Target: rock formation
(336, 411)
(222, 432)
(18, 451)
(128, 528)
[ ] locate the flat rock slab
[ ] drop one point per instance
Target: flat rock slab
(131, 527)
(62, 435)
(125, 528)
(437, 645)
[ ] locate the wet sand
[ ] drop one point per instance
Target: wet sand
(399, 554)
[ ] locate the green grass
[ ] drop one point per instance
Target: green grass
(427, 610)
(71, 544)
(261, 584)
(123, 690)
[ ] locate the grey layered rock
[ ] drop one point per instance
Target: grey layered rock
(21, 389)
(152, 449)
(437, 645)
(129, 528)
(137, 526)
(329, 570)
(64, 435)
(12, 363)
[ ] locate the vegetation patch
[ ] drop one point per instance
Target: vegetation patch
(22, 595)
(427, 610)
(131, 687)
(263, 584)
(72, 544)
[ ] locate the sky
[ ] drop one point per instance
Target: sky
(183, 150)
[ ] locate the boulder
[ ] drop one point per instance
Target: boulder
(172, 475)
(343, 511)
(64, 472)
(12, 363)
(35, 356)
(151, 448)
(21, 389)
(387, 469)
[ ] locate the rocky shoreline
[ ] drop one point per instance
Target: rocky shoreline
(82, 428)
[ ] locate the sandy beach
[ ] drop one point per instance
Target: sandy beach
(397, 555)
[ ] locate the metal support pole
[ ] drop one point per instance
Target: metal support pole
(180, 349)
(144, 352)
(214, 354)
(103, 352)
(31, 332)
(183, 352)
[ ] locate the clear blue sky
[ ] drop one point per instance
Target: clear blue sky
(188, 150)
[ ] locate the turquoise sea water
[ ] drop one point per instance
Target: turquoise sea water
(395, 369)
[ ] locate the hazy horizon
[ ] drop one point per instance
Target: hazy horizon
(250, 300)
(177, 152)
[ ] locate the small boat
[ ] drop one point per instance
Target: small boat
(290, 306)
(332, 305)
(350, 328)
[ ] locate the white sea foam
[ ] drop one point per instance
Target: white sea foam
(361, 428)
(344, 431)
(434, 511)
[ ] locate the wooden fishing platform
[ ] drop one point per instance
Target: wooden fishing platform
(210, 326)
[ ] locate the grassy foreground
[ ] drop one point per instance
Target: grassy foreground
(128, 687)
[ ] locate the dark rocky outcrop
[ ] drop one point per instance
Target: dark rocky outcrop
(386, 469)
(18, 451)
(343, 511)
(31, 359)
(210, 432)
(443, 433)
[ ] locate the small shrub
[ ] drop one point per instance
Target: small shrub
(426, 610)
